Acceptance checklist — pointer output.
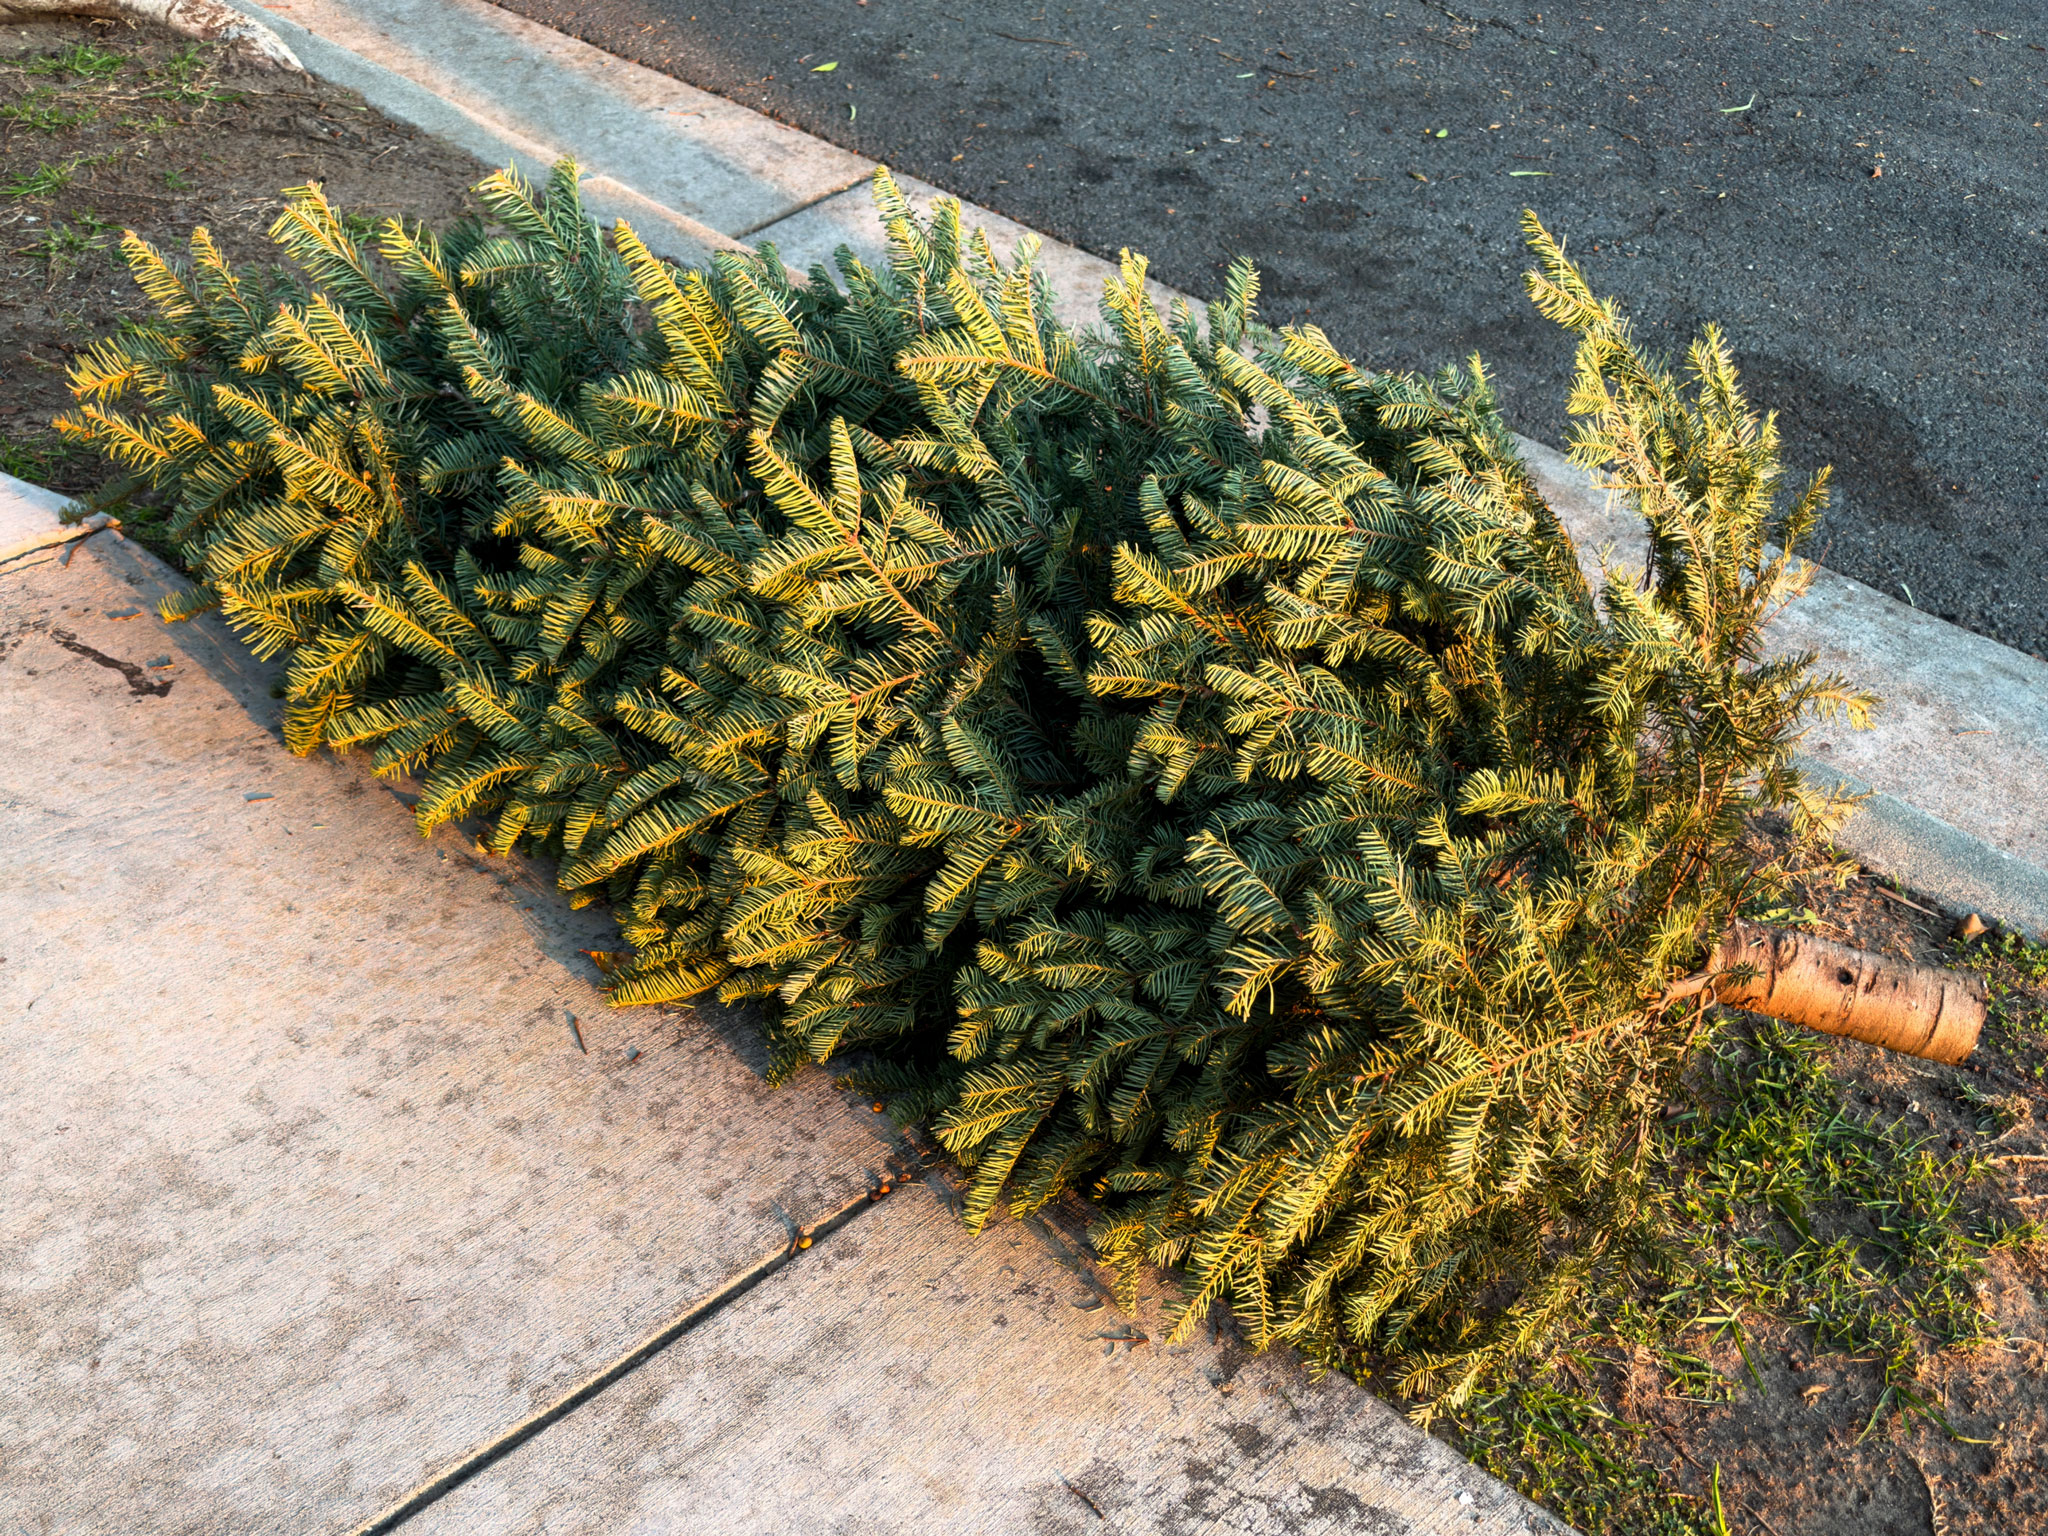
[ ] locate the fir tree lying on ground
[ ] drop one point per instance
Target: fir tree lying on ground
(1172, 762)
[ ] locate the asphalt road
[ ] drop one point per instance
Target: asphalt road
(1856, 190)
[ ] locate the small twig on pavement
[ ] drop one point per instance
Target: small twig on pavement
(1885, 890)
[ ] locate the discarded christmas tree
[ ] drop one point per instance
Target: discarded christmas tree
(1173, 763)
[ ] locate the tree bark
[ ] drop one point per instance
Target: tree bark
(210, 21)
(1920, 1010)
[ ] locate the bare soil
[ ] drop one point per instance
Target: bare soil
(146, 132)
(1806, 1446)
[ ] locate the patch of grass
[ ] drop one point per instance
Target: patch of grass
(48, 180)
(1793, 1202)
(44, 181)
(1796, 1205)
(1997, 1113)
(39, 110)
(2007, 962)
(191, 93)
(64, 246)
(184, 77)
(2014, 973)
(35, 459)
(1568, 1451)
(81, 59)
(183, 67)
(177, 181)
(157, 125)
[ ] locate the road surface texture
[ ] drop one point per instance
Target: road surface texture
(1708, 160)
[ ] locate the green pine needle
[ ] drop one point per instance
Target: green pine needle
(1184, 767)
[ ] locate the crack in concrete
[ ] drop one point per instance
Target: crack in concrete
(823, 197)
(493, 1450)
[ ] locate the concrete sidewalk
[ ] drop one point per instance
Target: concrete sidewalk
(312, 1189)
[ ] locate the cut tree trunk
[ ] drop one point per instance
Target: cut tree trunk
(210, 21)
(1921, 1010)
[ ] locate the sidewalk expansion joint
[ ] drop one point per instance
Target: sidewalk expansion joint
(493, 1450)
(804, 207)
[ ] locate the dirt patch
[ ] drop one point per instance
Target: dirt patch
(107, 127)
(1812, 1442)
(1875, 1373)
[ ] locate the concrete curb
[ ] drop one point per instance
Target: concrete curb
(1957, 872)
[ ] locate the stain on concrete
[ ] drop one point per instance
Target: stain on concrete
(138, 680)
